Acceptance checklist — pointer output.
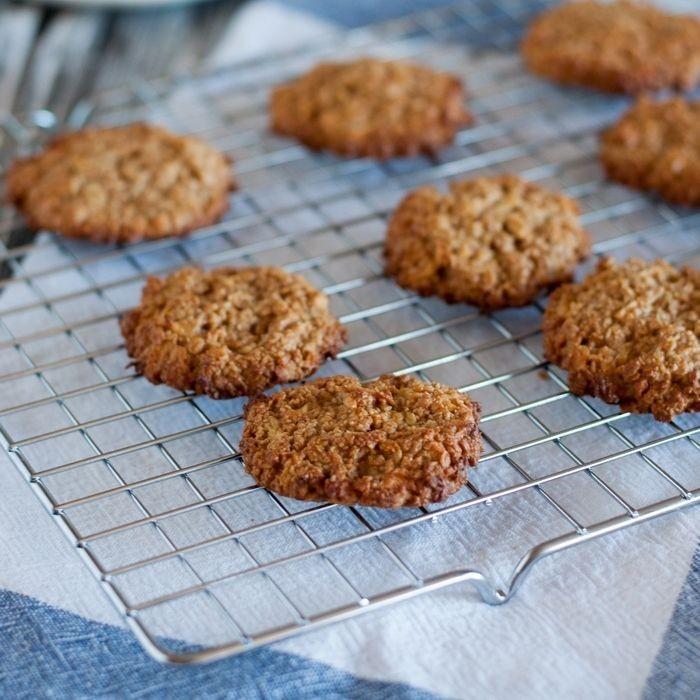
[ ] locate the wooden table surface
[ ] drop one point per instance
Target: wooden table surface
(50, 58)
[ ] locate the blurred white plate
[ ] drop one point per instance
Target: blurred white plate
(113, 4)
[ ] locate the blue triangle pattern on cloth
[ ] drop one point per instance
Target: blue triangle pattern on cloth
(676, 671)
(49, 652)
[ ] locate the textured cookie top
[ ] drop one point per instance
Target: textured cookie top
(392, 442)
(623, 46)
(230, 332)
(656, 146)
(121, 184)
(370, 107)
(491, 242)
(630, 334)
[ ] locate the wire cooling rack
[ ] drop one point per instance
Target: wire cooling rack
(147, 483)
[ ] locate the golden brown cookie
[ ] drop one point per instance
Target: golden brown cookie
(656, 146)
(622, 46)
(390, 443)
(230, 332)
(630, 334)
(122, 184)
(372, 108)
(492, 242)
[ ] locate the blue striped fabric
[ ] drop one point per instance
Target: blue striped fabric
(360, 12)
(676, 671)
(47, 652)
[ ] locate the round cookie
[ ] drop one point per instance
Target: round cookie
(656, 146)
(630, 334)
(622, 46)
(372, 108)
(491, 242)
(230, 332)
(121, 184)
(390, 443)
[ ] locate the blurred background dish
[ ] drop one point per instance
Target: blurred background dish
(114, 4)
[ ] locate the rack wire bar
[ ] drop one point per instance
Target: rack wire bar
(147, 483)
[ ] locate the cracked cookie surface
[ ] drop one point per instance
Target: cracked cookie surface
(623, 46)
(370, 107)
(491, 242)
(121, 184)
(392, 442)
(630, 335)
(230, 332)
(656, 146)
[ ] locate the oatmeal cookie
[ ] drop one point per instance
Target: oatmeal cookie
(391, 443)
(121, 184)
(230, 332)
(630, 334)
(372, 108)
(656, 146)
(622, 46)
(492, 242)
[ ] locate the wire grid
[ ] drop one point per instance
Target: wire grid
(147, 482)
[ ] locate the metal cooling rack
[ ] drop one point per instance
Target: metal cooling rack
(147, 483)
